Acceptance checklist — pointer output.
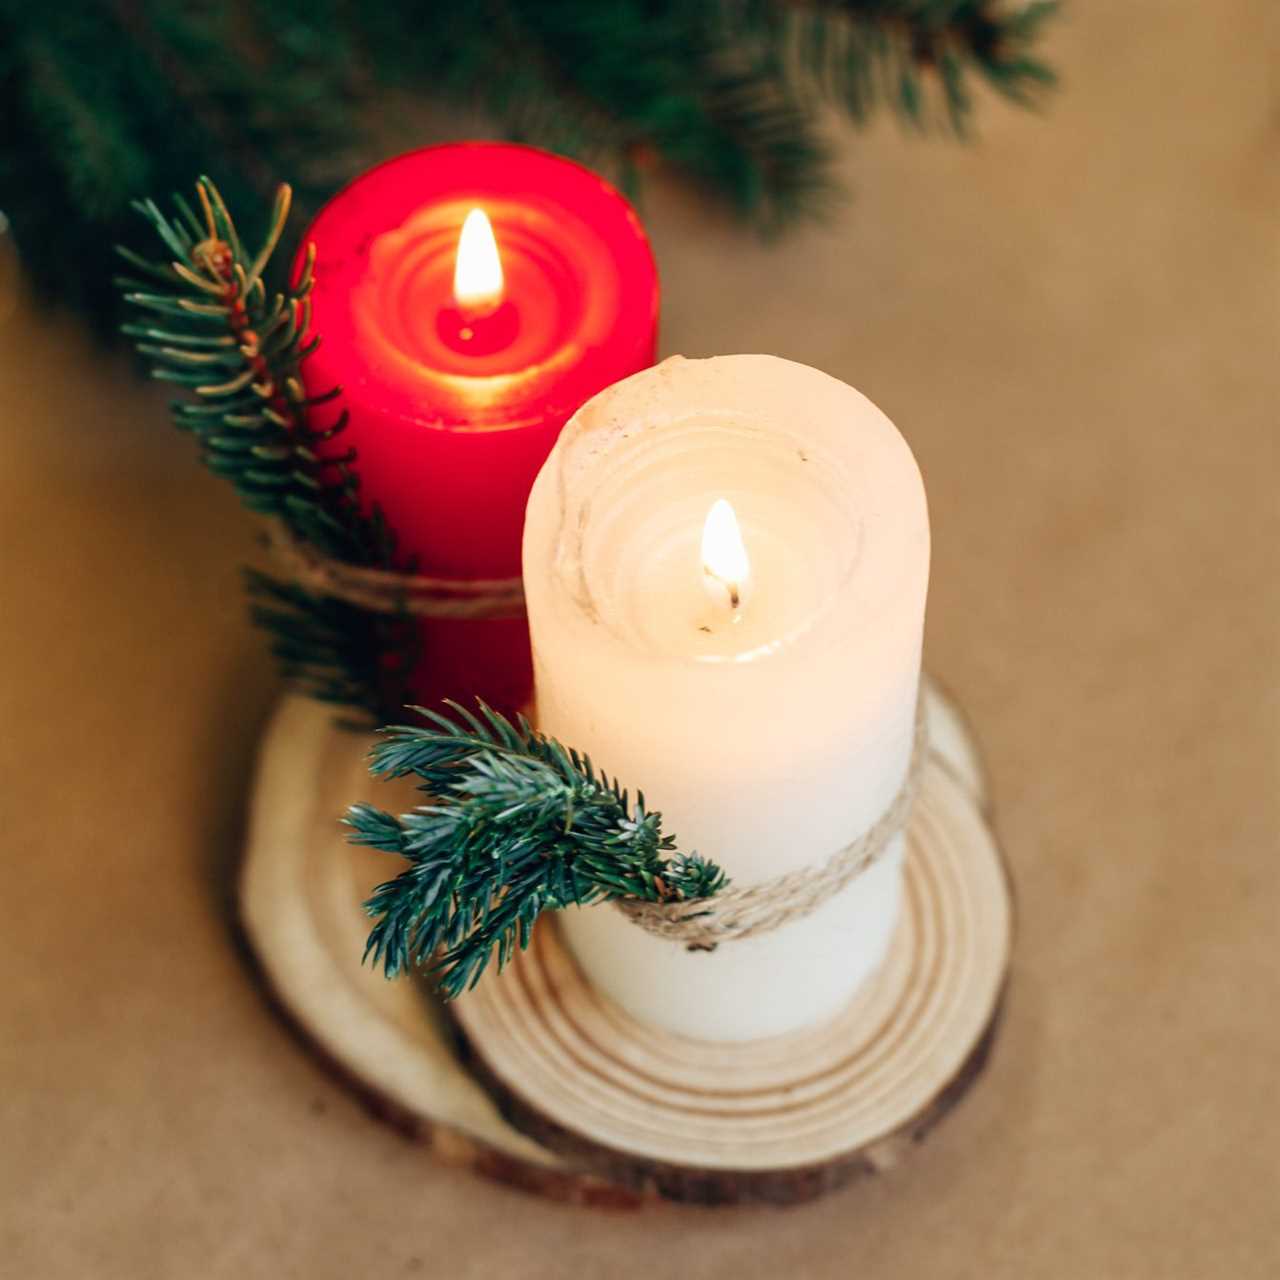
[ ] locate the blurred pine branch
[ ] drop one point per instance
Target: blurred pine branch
(100, 99)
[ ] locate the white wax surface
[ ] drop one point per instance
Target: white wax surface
(769, 741)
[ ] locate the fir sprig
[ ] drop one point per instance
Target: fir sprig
(515, 824)
(237, 349)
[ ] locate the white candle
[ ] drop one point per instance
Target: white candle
(763, 701)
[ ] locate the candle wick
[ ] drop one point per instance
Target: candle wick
(731, 588)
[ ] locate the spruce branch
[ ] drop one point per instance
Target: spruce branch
(515, 824)
(212, 328)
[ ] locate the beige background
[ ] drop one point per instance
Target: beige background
(1075, 323)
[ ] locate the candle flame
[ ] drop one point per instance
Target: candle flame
(723, 555)
(477, 269)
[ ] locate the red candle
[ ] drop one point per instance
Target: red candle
(460, 363)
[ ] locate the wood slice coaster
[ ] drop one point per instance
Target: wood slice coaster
(555, 1088)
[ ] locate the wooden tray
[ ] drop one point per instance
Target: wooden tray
(552, 1087)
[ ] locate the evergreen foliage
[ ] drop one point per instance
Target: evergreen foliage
(212, 328)
(101, 100)
(514, 825)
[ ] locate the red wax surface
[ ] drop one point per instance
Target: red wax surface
(452, 415)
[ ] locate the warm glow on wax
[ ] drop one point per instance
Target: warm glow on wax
(724, 558)
(477, 270)
(641, 659)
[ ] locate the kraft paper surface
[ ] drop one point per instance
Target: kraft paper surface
(1074, 322)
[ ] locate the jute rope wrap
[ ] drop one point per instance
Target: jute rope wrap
(386, 591)
(760, 908)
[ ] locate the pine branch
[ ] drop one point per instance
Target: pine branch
(516, 824)
(98, 100)
(212, 328)
(909, 54)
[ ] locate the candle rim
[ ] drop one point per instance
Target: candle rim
(634, 253)
(617, 412)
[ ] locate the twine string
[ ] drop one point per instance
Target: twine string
(389, 591)
(757, 909)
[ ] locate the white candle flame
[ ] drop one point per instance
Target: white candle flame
(477, 269)
(724, 558)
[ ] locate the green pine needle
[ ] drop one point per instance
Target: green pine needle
(515, 824)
